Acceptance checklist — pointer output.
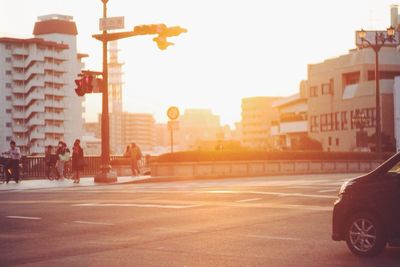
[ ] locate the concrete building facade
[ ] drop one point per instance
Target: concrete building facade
(342, 90)
(292, 125)
(196, 125)
(38, 98)
(257, 117)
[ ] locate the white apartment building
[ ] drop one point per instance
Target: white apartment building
(37, 97)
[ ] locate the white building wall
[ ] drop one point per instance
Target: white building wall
(73, 113)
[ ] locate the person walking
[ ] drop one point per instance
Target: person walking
(135, 154)
(77, 160)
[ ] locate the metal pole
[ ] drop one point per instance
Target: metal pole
(172, 140)
(377, 99)
(105, 134)
(105, 175)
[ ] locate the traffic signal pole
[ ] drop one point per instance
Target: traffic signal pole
(105, 175)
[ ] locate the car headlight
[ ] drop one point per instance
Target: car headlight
(343, 187)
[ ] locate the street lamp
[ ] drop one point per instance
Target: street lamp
(379, 41)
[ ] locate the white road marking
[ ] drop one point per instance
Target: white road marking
(275, 237)
(95, 223)
(161, 206)
(328, 190)
(166, 229)
(23, 217)
(283, 206)
(248, 200)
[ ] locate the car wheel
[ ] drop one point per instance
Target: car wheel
(365, 235)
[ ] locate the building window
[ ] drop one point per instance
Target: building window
(314, 123)
(326, 122)
(336, 121)
(8, 111)
(343, 117)
(8, 85)
(9, 124)
(326, 89)
(8, 72)
(383, 75)
(8, 59)
(314, 91)
(330, 141)
(351, 78)
(337, 141)
(8, 138)
(8, 46)
(8, 98)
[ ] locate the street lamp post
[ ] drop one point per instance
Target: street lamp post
(379, 41)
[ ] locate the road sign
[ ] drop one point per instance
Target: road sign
(173, 113)
(113, 23)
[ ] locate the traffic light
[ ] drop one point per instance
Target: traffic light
(173, 31)
(162, 42)
(79, 90)
(98, 85)
(88, 83)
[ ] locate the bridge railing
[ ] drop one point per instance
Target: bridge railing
(34, 166)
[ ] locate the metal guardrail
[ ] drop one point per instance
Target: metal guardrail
(34, 166)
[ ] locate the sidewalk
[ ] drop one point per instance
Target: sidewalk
(45, 183)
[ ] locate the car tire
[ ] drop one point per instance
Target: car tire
(365, 235)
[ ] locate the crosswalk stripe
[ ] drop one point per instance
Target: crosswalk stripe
(161, 206)
(23, 217)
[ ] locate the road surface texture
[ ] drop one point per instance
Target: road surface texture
(264, 221)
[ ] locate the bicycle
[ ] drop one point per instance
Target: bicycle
(68, 170)
(6, 173)
(53, 173)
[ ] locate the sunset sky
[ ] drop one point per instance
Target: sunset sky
(233, 48)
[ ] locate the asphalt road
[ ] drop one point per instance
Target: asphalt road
(270, 221)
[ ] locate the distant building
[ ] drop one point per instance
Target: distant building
(39, 104)
(341, 89)
(92, 129)
(257, 117)
(139, 128)
(292, 123)
(126, 128)
(91, 145)
(197, 125)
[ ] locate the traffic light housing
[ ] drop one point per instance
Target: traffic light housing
(173, 31)
(162, 42)
(79, 90)
(165, 32)
(88, 83)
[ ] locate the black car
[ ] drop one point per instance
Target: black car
(367, 212)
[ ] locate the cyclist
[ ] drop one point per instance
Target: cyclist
(12, 165)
